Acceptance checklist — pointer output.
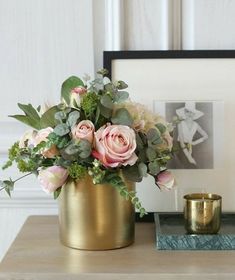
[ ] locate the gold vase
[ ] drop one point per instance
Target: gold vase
(95, 217)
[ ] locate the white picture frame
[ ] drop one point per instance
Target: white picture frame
(181, 76)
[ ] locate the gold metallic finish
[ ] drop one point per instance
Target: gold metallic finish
(95, 217)
(202, 213)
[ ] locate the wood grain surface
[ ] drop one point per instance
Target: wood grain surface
(38, 254)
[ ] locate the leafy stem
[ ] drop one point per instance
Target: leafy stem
(8, 185)
(116, 181)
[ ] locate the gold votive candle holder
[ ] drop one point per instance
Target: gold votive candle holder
(202, 213)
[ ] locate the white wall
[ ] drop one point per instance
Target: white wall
(42, 42)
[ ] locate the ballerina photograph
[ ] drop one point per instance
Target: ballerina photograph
(193, 135)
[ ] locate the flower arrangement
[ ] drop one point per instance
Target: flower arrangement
(95, 130)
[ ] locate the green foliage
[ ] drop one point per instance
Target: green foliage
(75, 150)
(132, 173)
(76, 171)
(154, 167)
(121, 85)
(57, 192)
(107, 101)
(103, 72)
(122, 117)
(96, 172)
(73, 119)
(27, 165)
(116, 181)
(89, 104)
(60, 142)
(68, 85)
(142, 168)
(48, 118)
(121, 96)
(7, 185)
(13, 153)
(61, 129)
(30, 118)
(161, 127)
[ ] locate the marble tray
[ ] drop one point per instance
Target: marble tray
(171, 235)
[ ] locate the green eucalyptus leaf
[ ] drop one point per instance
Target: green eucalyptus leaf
(84, 148)
(142, 155)
(139, 142)
(68, 85)
(105, 112)
(73, 118)
(153, 134)
(106, 101)
(48, 118)
(131, 173)
(154, 167)
(106, 81)
(161, 127)
(72, 149)
(151, 153)
(121, 96)
(142, 169)
(157, 141)
(109, 88)
(60, 116)
(61, 129)
(103, 72)
(121, 85)
(123, 117)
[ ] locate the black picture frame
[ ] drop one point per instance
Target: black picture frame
(109, 56)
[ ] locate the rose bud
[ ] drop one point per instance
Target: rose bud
(165, 180)
(52, 178)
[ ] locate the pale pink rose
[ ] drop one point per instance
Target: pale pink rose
(27, 139)
(165, 180)
(42, 136)
(52, 178)
(84, 130)
(115, 145)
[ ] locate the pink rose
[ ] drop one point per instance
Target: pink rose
(115, 145)
(42, 136)
(52, 178)
(165, 180)
(84, 130)
(27, 139)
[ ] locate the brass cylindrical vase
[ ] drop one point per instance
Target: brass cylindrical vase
(95, 217)
(202, 213)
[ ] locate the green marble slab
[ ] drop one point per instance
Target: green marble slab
(171, 234)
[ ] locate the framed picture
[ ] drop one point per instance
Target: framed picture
(176, 84)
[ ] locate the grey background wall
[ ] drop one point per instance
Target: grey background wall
(42, 42)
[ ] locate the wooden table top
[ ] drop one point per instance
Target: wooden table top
(37, 254)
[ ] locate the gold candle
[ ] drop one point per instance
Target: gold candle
(202, 213)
